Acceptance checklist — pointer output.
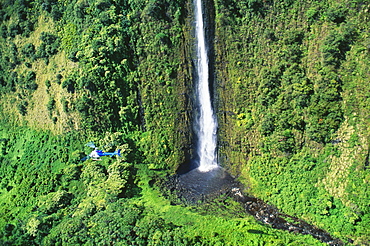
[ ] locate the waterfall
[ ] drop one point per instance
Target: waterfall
(206, 123)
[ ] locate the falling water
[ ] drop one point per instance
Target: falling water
(206, 125)
(208, 179)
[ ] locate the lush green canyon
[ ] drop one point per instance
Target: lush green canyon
(290, 92)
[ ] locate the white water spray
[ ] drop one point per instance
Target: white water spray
(206, 123)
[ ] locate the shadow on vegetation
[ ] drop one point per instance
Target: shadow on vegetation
(256, 231)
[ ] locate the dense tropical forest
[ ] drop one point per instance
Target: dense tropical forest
(292, 98)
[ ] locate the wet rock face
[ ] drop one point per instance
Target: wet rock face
(195, 186)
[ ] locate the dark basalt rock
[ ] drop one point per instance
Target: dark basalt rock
(196, 186)
(270, 215)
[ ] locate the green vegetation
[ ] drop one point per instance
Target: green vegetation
(293, 75)
(293, 105)
(50, 197)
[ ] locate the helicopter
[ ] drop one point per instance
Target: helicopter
(96, 153)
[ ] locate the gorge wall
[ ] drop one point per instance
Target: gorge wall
(290, 100)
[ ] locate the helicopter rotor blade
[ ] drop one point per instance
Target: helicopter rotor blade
(85, 158)
(108, 145)
(91, 145)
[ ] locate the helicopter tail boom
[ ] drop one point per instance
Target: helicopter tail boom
(118, 152)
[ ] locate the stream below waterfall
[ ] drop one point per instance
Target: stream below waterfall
(196, 186)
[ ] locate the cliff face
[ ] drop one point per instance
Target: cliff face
(291, 80)
(164, 75)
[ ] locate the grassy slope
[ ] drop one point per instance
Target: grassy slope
(38, 114)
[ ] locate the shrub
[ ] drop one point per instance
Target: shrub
(268, 124)
(29, 50)
(313, 14)
(64, 103)
(336, 15)
(73, 56)
(14, 29)
(294, 37)
(51, 104)
(30, 76)
(46, 6)
(47, 83)
(59, 78)
(286, 142)
(48, 38)
(337, 43)
(83, 105)
(3, 31)
(69, 85)
(29, 81)
(22, 107)
(49, 46)
(56, 13)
